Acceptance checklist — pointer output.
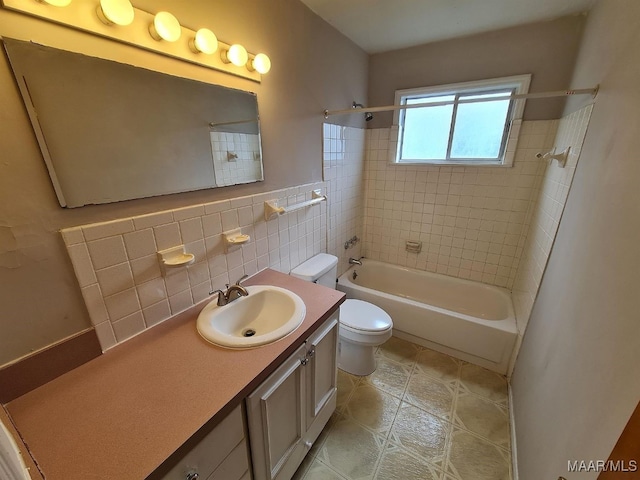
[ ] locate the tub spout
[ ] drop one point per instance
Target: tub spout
(353, 261)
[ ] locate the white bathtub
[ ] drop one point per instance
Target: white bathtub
(468, 320)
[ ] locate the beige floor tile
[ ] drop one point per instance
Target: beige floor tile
(422, 433)
(317, 445)
(372, 408)
(303, 468)
(484, 382)
(346, 384)
(351, 450)
(398, 464)
(391, 377)
(432, 395)
(319, 471)
(483, 417)
(438, 365)
(472, 458)
(399, 350)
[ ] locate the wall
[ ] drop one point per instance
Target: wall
(343, 166)
(548, 202)
(124, 286)
(575, 382)
(471, 220)
(545, 49)
(314, 68)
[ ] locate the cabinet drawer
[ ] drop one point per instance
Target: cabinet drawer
(235, 466)
(210, 452)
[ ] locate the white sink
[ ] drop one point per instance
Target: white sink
(267, 314)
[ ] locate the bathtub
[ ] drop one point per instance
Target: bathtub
(465, 319)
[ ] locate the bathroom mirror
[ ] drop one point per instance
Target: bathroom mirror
(110, 132)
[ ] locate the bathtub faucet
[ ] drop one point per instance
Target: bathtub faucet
(353, 261)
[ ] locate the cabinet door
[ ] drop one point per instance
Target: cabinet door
(275, 412)
(321, 373)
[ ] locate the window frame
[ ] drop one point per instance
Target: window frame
(518, 83)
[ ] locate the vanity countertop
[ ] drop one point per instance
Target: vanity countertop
(122, 414)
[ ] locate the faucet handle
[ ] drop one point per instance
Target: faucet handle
(243, 278)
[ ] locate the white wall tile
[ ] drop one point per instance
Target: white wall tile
(156, 313)
(140, 243)
(115, 279)
(167, 236)
(117, 257)
(122, 304)
(107, 229)
(129, 326)
(107, 252)
(82, 264)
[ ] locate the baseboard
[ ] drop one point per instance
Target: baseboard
(514, 447)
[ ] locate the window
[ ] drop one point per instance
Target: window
(463, 127)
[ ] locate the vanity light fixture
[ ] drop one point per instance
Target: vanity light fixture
(205, 41)
(236, 54)
(165, 27)
(115, 12)
(261, 63)
(56, 3)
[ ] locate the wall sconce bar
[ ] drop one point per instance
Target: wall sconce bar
(81, 15)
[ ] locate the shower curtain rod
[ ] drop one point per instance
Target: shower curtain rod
(560, 93)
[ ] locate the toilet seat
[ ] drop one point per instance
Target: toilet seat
(364, 317)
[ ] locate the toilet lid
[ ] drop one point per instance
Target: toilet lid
(361, 315)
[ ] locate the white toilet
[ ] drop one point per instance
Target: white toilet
(363, 326)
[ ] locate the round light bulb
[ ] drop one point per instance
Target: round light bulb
(119, 12)
(165, 27)
(56, 3)
(205, 41)
(236, 54)
(261, 63)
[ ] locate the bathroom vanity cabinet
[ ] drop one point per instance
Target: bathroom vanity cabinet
(221, 455)
(167, 399)
(287, 412)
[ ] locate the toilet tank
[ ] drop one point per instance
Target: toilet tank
(320, 269)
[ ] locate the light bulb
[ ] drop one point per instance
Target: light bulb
(119, 12)
(236, 54)
(261, 64)
(56, 3)
(165, 27)
(205, 41)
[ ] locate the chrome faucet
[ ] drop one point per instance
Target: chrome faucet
(233, 292)
(354, 261)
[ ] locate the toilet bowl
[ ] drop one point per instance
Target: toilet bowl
(363, 326)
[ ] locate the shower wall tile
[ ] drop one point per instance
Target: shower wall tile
(546, 211)
(118, 270)
(471, 221)
(343, 168)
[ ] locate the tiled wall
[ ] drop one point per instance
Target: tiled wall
(343, 169)
(119, 273)
(236, 158)
(546, 212)
(471, 220)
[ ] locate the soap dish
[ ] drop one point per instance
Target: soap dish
(235, 237)
(175, 257)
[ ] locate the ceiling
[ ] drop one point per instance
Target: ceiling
(383, 25)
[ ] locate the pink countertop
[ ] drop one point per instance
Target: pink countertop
(121, 415)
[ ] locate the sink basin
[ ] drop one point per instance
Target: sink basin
(267, 314)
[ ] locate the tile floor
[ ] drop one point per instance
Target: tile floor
(421, 415)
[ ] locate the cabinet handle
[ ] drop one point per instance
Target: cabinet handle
(304, 361)
(192, 476)
(311, 352)
(308, 444)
